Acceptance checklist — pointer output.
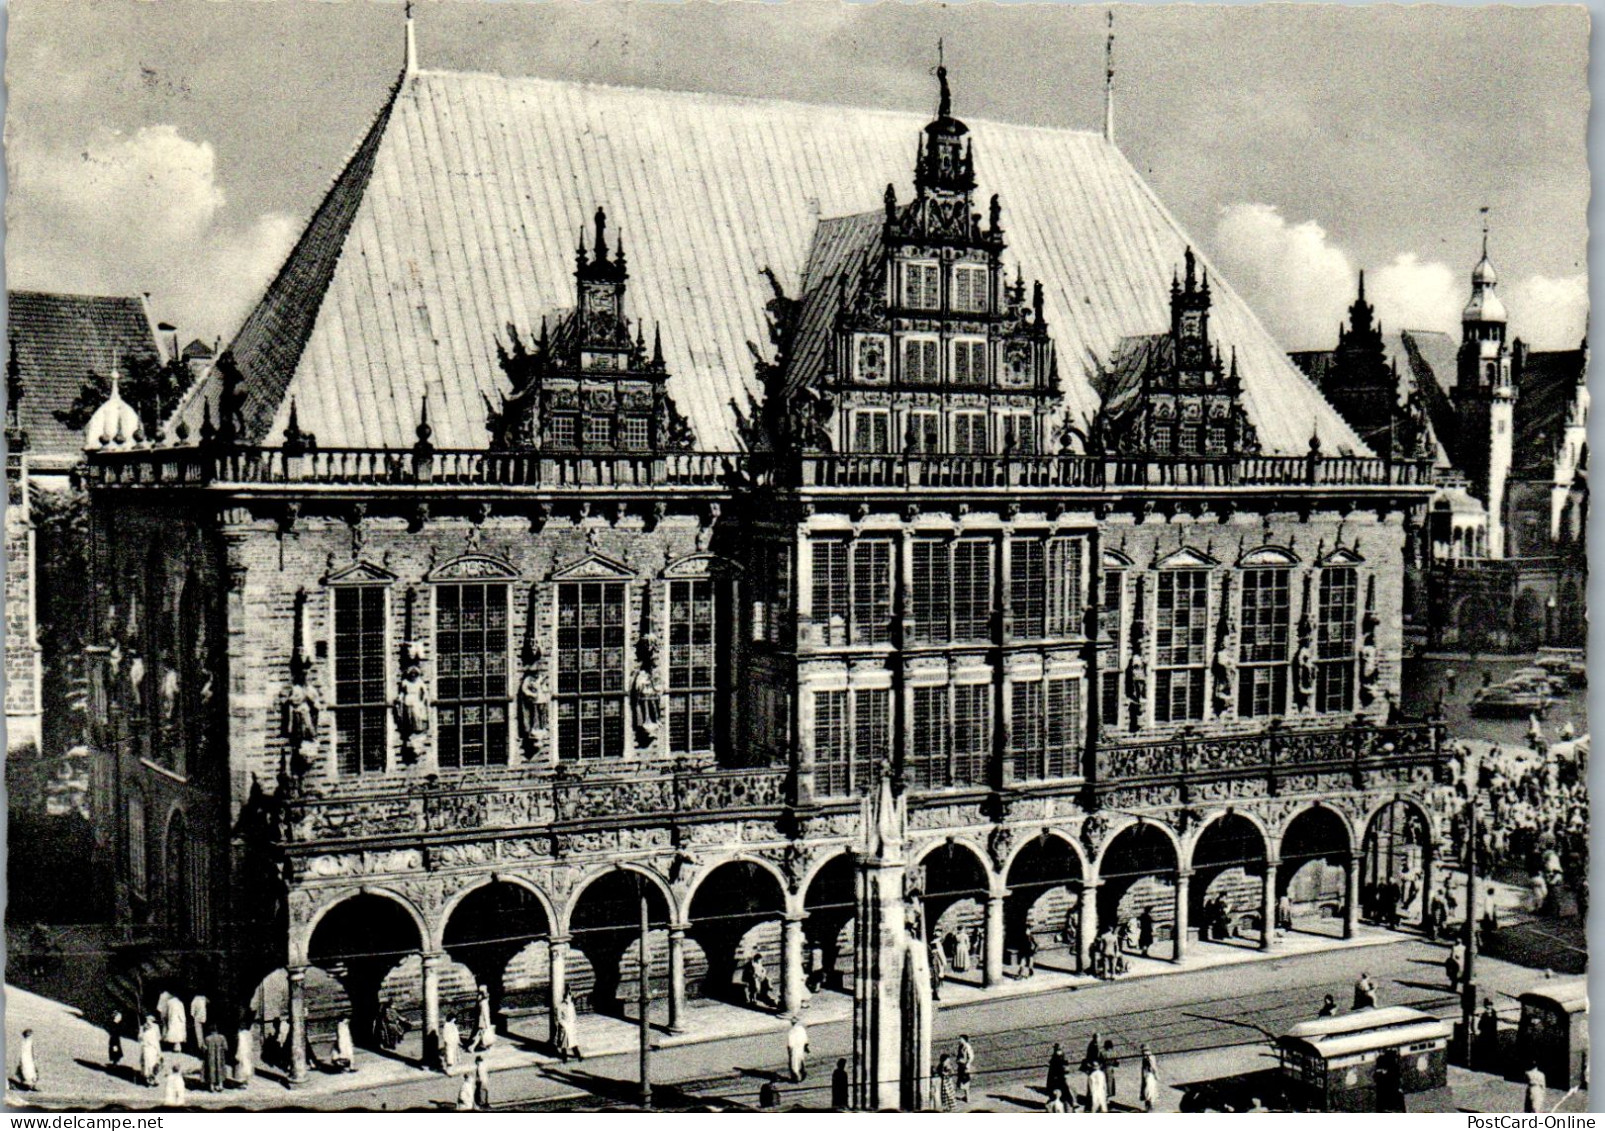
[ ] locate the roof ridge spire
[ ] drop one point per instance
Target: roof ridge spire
(1109, 81)
(411, 66)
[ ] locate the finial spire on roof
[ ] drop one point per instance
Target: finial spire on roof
(601, 234)
(1109, 81)
(412, 46)
(944, 106)
(1362, 284)
(1485, 231)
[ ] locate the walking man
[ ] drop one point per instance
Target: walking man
(1097, 1089)
(177, 1031)
(199, 1008)
(840, 1087)
(1058, 1072)
(1148, 1092)
(966, 1063)
(797, 1050)
(114, 1038)
(481, 1084)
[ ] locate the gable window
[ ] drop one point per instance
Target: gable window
(920, 286)
(920, 363)
(969, 362)
(1162, 435)
(1217, 439)
(924, 432)
(1262, 650)
(1337, 639)
(870, 430)
(471, 674)
(361, 708)
(1188, 439)
(969, 288)
(635, 432)
(692, 660)
(1019, 437)
(969, 433)
(1046, 725)
(1182, 630)
(590, 670)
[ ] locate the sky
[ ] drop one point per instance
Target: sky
(179, 146)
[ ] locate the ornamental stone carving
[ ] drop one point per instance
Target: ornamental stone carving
(411, 705)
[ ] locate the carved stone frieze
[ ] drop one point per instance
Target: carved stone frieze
(366, 863)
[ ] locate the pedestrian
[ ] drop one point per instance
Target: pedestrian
(1452, 678)
(1055, 1103)
(175, 1093)
(465, 1093)
(150, 1052)
(1284, 912)
(1365, 993)
(938, 969)
(245, 1056)
(484, 1031)
(1148, 1090)
(345, 1053)
(1058, 1072)
(797, 1049)
(1454, 963)
(1094, 1053)
(816, 967)
(389, 1027)
(1110, 1063)
(199, 1009)
(942, 1093)
(1537, 1091)
(481, 1083)
(214, 1061)
(177, 1031)
(1028, 956)
(1328, 1007)
(768, 1096)
(966, 1067)
(451, 1044)
(114, 1039)
(568, 1031)
(1097, 1089)
(27, 1066)
(1437, 918)
(840, 1086)
(1487, 1035)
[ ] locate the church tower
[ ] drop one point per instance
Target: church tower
(1485, 397)
(1361, 384)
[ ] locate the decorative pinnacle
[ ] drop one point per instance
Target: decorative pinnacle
(944, 105)
(601, 235)
(424, 431)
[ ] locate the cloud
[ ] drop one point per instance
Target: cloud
(1549, 313)
(1291, 275)
(1411, 295)
(140, 212)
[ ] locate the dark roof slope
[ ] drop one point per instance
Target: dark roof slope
(1547, 386)
(58, 341)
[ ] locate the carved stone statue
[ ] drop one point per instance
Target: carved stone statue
(1224, 671)
(136, 682)
(1304, 667)
(167, 692)
(646, 701)
(1136, 686)
(300, 711)
(532, 706)
(411, 708)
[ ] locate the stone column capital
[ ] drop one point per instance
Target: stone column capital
(558, 940)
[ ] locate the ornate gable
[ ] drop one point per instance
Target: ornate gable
(359, 573)
(594, 567)
(474, 567)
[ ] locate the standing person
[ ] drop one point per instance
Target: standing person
(27, 1066)
(841, 1086)
(245, 1056)
(816, 967)
(1055, 1103)
(175, 1093)
(177, 1031)
(568, 1028)
(484, 1031)
(1454, 963)
(1328, 1007)
(1097, 1089)
(768, 1095)
(1028, 955)
(481, 1083)
(214, 1061)
(345, 1052)
(390, 1027)
(938, 969)
(1110, 1063)
(451, 1043)
(1058, 1072)
(1452, 679)
(1094, 1053)
(966, 1067)
(465, 1093)
(1537, 1091)
(150, 1052)
(199, 1009)
(1365, 993)
(944, 1083)
(114, 1039)
(797, 1049)
(1487, 1035)
(1148, 1091)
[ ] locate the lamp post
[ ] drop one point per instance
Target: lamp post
(644, 999)
(1549, 621)
(1468, 986)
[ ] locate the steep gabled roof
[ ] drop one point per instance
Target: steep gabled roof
(1544, 396)
(58, 342)
(843, 249)
(459, 214)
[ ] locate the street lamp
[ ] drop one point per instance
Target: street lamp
(1468, 989)
(1549, 621)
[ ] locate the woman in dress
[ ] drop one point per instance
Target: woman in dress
(1058, 1072)
(944, 1083)
(345, 1052)
(176, 1091)
(568, 1028)
(484, 1032)
(150, 1052)
(450, 1044)
(465, 1093)
(1149, 1091)
(245, 1056)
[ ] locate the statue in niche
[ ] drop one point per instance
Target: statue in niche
(1224, 671)
(1304, 665)
(1370, 654)
(646, 702)
(1137, 685)
(411, 706)
(167, 693)
(532, 706)
(136, 682)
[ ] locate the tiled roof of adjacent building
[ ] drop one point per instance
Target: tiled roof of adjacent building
(1544, 395)
(458, 215)
(58, 341)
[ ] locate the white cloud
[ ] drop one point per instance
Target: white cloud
(1298, 282)
(140, 212)
(1411, 295)
(1549, 313)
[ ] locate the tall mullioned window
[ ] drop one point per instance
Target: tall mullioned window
(1111, 628)
(1181, 644)
(1263, 650)
(590, 670)
(833, 760)
(832, 590)
(972, 732)
(852, 733)
(360, 688)
(1337, 639)
(970, 288)
(692, 666)
(872, 591)
(1064, 599)
(930, 760)
(471, 689)
(921, 285)
(1046, 727)
(952, 590)
(1028, 563)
